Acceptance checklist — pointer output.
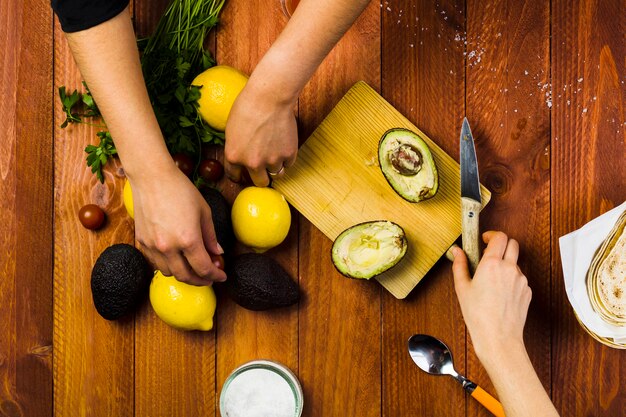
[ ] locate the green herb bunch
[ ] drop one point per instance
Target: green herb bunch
(170, 60)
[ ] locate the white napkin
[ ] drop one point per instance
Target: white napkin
(577, 250)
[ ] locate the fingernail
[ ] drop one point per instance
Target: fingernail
(220, 249)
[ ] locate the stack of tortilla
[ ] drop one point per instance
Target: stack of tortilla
(606, 278)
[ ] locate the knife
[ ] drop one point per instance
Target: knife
(470, 198)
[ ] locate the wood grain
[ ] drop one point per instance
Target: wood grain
(346, 339)
(93, 358)
(25, 209)
(340, 323)
(423, 77)
(588, 179)
(508, 76)
(247, 30)
(337, 183)
(175, 370)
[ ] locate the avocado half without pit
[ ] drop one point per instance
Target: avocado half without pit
(408, 165)
(369, 249)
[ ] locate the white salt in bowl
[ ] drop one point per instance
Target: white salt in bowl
(259, 389)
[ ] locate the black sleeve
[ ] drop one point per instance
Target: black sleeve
(76, 15)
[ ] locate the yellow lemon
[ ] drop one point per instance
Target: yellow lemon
(220, 86)
(183, 306)
(128, 199)
(261, 218)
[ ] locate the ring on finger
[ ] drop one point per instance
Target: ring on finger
(274, 174)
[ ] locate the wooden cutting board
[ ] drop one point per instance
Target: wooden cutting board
(337, 183)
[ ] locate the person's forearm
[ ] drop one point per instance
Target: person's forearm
(313, 30)
(516, 382)
(109, 62)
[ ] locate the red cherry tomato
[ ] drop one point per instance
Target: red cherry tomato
(184, 163)
(218, 260)
(211, 170)
(91, 217)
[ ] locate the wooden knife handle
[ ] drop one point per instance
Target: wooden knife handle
(470, 210)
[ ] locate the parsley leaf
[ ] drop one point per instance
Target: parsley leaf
(97, 156)
(68, 103)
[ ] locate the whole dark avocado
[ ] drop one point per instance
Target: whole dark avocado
(119, 281)
(257, 282)
(220, 212)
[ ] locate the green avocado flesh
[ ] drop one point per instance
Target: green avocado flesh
(369, 249)
(119, 281)
(408, 165)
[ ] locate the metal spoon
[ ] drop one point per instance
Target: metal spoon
(432, 356)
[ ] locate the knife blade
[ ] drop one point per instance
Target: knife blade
(470, 196)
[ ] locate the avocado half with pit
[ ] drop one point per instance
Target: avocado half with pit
(408, 165)
(369, 249)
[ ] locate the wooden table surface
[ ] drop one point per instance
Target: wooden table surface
(542, 84)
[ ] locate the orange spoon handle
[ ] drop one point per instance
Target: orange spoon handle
(488, 401)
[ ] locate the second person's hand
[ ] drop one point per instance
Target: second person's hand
(173, 224)
(495, 302)
(261, 135)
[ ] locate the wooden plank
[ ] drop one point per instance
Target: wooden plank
(247, 30)
(34, 210)
(340, 323)
(9, 12)
(337, 183)
(147, 15)
(174, 370)
(423, 77)
(93, 358)
(26, 209)
(8, 175)
(588, 179)
(508, 99)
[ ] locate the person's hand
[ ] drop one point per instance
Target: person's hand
(495, 302)
(173, 224)
(261, 135)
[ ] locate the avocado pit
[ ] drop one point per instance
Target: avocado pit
(405, 159)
